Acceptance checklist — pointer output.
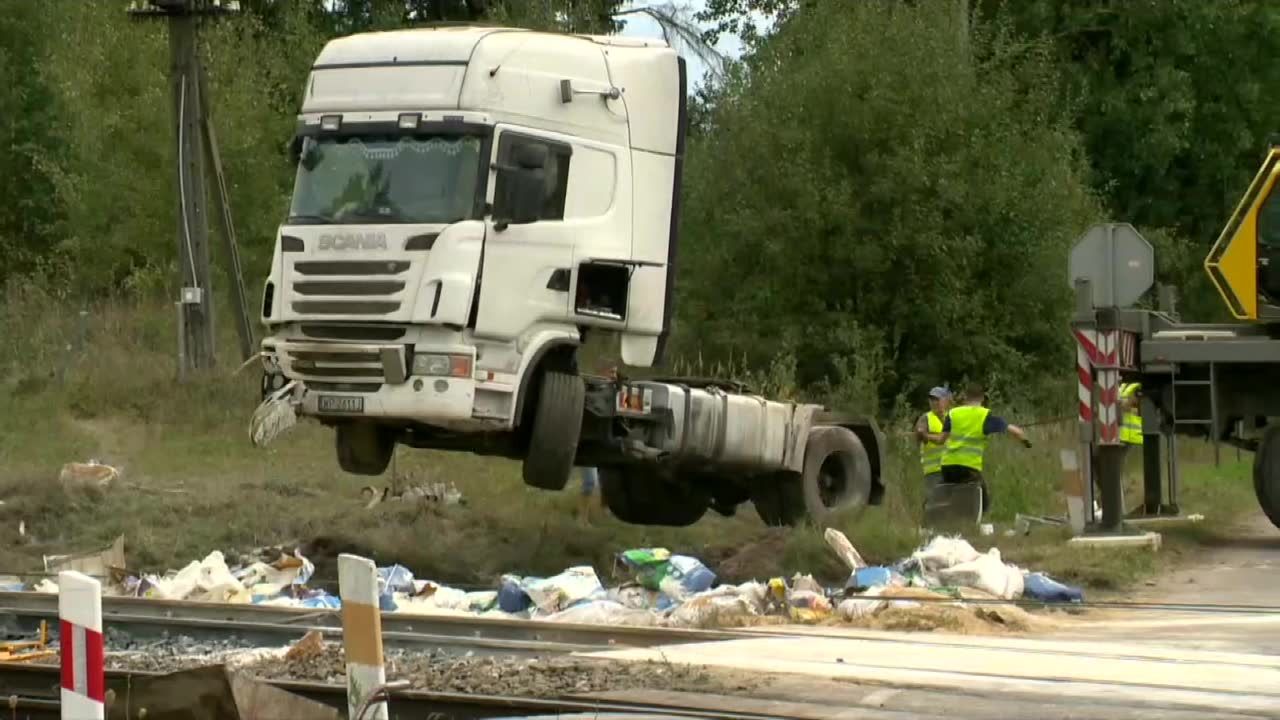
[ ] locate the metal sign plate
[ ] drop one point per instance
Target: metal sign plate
(1116, 260)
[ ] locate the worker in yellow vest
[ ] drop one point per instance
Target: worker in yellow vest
(1131, 417)
(929, 435)
(965, 432)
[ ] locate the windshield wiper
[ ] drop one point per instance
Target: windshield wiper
(309, 220)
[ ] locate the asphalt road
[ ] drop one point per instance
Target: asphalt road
(1241, 569)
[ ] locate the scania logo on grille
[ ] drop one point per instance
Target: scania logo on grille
(353, 241)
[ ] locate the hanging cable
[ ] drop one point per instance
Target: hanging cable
(182, 174)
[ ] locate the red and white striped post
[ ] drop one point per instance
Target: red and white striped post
(81, 647)
(361, 635)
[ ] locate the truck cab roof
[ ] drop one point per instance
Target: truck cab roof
(511, 75)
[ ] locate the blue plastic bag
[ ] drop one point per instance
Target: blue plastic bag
(511, 595)
(874, 576)
(396, 578)
(322, 601)
(693, 576)
(1039, 586)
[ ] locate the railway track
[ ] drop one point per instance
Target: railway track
(31, 693)
(146, 619)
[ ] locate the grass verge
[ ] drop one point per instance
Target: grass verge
(192, 482)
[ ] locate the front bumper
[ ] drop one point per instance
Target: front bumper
(375, 377)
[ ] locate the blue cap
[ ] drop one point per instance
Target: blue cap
(940, 393)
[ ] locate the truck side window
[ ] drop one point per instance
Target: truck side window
(557, 171)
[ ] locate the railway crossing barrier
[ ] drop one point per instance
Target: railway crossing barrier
(362, 637)
(81, 647)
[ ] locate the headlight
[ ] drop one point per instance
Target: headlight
(441, 365)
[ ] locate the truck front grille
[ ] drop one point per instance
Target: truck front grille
(336, 365)
(348, 287)
(345, 307)
(353, 332)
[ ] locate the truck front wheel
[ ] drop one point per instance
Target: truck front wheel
(557, 426)
(364, 448)
(1266, 474)
(640, 496)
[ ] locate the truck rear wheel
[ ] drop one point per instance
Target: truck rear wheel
(557, 426)
(364, 448)
(638, 496)
(1266, 474)
(836, 474)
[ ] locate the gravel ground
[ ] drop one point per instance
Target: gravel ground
(551, 676)
(541, 677)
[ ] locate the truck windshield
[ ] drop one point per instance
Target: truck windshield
(386, 179)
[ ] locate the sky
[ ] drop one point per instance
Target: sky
(643, 26)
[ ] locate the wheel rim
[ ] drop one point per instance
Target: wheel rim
(833, 481)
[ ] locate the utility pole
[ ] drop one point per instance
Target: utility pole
(197, 153)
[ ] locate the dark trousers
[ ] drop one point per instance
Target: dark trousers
(960, 474)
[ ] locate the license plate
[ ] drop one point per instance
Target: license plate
(341, 404)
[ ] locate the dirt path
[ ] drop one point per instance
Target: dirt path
(1243, 568)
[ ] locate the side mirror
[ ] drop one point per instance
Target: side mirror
(295, 149)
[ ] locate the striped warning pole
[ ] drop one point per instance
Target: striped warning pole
(81, 647)
(361, 634)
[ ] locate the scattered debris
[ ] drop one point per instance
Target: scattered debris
(435, 493)
(27, 651)
(659, 588)
(92, 477)
(96, 563)
(311, 645)
(839, 542)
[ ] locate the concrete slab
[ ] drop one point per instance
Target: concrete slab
(1091, 643)
(1211, 684)
(1147, 539)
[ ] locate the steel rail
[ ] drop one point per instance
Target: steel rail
(31, 607)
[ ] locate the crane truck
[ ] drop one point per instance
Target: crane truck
(1214, 381)
(470, 204)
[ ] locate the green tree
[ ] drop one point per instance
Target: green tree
(881, 195)
(28, 116)
(1176, 100)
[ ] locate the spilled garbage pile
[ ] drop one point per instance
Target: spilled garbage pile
(930, 588)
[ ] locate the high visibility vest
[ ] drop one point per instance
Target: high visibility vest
(1131, 420)
(966, 443)
(931, 452)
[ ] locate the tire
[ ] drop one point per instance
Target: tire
(779, 498)
(1266, 474)
(557, 426)
(364, 448)
(638, 496)
(836, 474)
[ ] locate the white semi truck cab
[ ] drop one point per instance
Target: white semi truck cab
(470, 202)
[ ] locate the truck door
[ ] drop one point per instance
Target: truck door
(528, 257)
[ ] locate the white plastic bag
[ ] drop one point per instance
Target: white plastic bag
(944, 552)
(710, 609)
(603, 612)
(208, 580)
(558, 592)
(987, 573)
(863, 605)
